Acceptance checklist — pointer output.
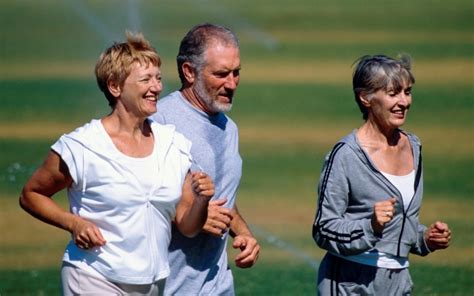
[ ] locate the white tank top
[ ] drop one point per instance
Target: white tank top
(404, 184)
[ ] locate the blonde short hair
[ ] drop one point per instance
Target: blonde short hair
(115, 63)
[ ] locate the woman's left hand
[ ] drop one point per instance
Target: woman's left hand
(202, 185)
(438, 236)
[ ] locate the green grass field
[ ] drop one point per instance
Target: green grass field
(293, 104)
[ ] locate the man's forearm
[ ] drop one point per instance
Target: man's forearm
(238, 226)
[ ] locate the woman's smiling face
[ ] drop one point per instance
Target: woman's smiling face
(388, 108)
(141, 89)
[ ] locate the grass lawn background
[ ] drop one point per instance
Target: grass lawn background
(293, 104)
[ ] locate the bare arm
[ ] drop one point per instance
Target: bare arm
(191, 212)
(36, 198)
(243, 240)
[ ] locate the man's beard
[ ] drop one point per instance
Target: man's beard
(211, 104)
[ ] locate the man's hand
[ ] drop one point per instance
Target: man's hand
(218, 218)
(249, 250)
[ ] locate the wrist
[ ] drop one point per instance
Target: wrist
(202, 200)
(240, 232)
(71, 222)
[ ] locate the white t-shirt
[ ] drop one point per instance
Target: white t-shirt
(131, 200)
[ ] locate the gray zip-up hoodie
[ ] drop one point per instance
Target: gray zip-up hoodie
(349, 186)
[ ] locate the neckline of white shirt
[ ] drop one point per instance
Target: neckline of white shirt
(410, 174)
(112, 144)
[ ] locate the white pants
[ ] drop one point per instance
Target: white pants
(76, 281)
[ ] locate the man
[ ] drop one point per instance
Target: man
(209, 69)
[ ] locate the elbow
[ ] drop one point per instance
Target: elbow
(317, 236)
(319, 242)
(27, 201)
(24, 201)
(189, 233)
(188, 228)
(190, 224)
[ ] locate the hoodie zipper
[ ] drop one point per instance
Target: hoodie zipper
(152, 243)
(150, 237)
(417, 181)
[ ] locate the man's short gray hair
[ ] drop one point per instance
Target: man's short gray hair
(196, 41)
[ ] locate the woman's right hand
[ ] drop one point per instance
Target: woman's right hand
(191, 211)
(86, 235)
(383, 213)
(36, 198)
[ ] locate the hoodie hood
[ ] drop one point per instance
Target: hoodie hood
(351, 141)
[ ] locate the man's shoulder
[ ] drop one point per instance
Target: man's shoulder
(230, 121)
(168, 107)
(169, 100)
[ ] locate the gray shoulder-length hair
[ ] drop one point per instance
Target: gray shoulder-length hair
(380, 72)
(196, 41)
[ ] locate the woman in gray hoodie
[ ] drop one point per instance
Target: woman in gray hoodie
(370, 191)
